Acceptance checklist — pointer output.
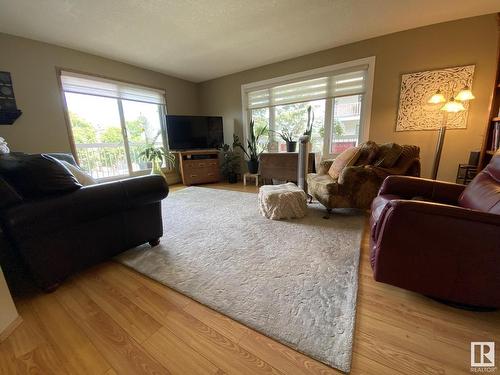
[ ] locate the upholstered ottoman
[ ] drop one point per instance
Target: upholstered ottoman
(285, 201)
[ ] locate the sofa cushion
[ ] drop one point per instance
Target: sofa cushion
(368, 153)
(345, 159)
(62, 156)
(36, 176)
(388, 155)
(82, 177)
(321, 184)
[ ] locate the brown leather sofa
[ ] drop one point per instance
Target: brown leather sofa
(440, 239)
(358, 185)
(60, 233)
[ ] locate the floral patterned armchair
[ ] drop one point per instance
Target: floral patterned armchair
(358, 184)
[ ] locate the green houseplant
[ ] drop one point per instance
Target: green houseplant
(230, 164)
(288, 136)
(156, 156)
(252, 152)
(310, 121)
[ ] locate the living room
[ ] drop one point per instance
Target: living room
(230, 187)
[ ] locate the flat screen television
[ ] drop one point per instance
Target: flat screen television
(194, 132)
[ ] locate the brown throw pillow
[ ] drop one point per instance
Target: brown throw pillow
(388, 155)
(345, 159)
(369, 151)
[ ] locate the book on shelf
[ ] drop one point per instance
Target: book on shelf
(495, 139)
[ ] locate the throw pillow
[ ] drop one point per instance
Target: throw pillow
(36, 176)
(345, 159)
(388, 155)
(4, 149)
(83, 178)
(369, 151)
(8, 196)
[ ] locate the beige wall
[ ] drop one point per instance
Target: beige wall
(467, 41)
(42, 127)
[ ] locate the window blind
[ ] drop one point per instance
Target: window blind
(341, 84)
(84, 84)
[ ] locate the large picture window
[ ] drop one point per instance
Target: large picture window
(340, 97)
(111, 123)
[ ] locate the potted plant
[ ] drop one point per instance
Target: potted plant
(310, 121)
(230, 164)
(156, 155)
(252, 143)
(288, 136)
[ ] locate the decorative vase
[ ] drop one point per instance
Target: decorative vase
(156, 169)
(291, 146)
(253, 166)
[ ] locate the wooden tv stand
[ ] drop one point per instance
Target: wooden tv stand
(199, 166)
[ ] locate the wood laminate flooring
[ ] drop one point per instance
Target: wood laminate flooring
(112, 320)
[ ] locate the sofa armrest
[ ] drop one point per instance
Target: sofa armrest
(88, 203)
(409, 187)
(443, 211)
(439, 250)
(324, 166)
(142, 190)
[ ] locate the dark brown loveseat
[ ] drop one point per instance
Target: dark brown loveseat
(57, 233)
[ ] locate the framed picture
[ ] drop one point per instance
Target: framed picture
(8, 108)
(415, 113)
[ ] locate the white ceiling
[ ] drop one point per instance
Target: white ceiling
(203, 39)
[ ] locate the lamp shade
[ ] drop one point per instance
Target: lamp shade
(437, 98)
(465, 94)
(453, 106)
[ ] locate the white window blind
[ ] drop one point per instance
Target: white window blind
(341, 84)
(83, 84)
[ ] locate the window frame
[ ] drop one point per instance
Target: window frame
(71, 139)
(366, 107)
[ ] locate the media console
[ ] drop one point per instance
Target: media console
(199, 166)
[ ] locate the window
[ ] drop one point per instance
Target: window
(293, 117)
(261, 118)
(346, 123)
(112, 122)
(339, 96)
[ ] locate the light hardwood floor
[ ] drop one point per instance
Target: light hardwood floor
(112, 320)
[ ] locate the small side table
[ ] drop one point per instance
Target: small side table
(251, 175)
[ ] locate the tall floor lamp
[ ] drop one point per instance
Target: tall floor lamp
(451, 106)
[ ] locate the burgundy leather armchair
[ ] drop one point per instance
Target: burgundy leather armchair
(440, 239)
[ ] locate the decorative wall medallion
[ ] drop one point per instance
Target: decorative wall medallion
(414, 113)
(8, 108)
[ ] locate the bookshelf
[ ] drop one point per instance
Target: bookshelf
(488, 149)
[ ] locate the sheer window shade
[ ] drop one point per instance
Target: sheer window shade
(83, 84)
(342, 84)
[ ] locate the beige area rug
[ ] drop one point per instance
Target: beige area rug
(295, 281)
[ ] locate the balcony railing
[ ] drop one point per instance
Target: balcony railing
(105, 160)
(342, 143)
(347, 109)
